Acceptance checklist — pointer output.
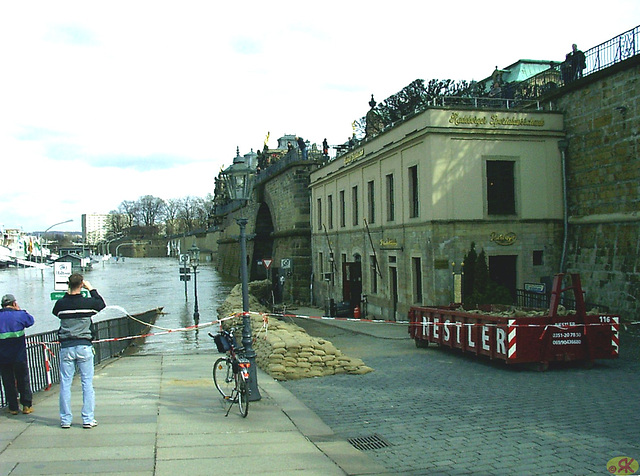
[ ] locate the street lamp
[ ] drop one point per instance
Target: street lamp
(238, 180)
(194, 256)
(43, 237)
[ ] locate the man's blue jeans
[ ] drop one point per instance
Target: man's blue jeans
(82, 356)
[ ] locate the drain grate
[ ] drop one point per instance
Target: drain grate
(364, 443)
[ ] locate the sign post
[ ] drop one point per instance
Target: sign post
(266, 262)
(185, 274)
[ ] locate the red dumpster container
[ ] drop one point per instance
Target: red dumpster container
(521, 339)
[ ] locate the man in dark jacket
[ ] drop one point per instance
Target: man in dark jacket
(13, 355)
(75, 312)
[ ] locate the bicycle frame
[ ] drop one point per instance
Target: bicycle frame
(232, 369)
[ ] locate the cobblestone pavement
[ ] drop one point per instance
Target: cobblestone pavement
(443, 413)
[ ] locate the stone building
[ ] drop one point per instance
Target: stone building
(392, 219)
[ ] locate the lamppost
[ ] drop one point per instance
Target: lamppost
(238, 179)
(43, 237)
(194, 256)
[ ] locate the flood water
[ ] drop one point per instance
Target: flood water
(135, 285)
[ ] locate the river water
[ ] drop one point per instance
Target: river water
(135, 285)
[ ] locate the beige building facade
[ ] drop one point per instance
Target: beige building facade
(393, 218)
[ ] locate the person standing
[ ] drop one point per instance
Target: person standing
(578, 62)
(75, 312)
(302, 146)
(13, 355)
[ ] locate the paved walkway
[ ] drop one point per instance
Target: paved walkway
(161, 415)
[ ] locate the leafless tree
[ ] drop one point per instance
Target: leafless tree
(150, 210)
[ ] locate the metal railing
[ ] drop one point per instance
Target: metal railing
(530, 299)
(43, 350)
(615, 50)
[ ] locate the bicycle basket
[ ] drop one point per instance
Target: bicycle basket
(224, 342)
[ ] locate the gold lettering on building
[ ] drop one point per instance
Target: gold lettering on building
(504, 239)
(388, 242)
(353, 156)
(494, 120)
(457, 119)
(497, 120)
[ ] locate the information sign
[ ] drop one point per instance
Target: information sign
(61, 272)
(535, 287)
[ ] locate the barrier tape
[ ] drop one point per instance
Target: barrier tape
(167, 331)
(511, 324)
(350, 319)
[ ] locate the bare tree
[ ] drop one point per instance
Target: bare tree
(130, 210)
(208, 211)
(171, 215)
(188, 213)
(116, 223)
(150, 210)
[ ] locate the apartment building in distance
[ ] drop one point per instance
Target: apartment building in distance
(94, 228)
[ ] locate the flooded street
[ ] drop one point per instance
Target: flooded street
(136, 285)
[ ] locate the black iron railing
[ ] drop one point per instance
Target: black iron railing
(43, 350)
(615, 50)
(535, 300)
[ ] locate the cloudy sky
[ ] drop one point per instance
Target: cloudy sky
(105, 101)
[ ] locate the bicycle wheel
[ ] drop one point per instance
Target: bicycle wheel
(243, 397)
(223, 376)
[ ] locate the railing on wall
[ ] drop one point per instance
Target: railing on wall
(43, 350)
(615, 50)
(535, 300)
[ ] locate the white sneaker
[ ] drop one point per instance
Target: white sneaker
(90, 425)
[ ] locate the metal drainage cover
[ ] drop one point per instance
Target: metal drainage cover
(364, 443)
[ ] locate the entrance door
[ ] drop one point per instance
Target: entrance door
(393, 278)
(502, 270)
(352, 284)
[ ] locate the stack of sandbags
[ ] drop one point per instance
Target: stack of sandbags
(284, 350)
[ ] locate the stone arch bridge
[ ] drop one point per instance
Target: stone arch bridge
(278, 230)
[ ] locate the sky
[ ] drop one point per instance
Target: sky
(106, 101)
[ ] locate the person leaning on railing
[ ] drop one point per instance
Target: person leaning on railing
(13, 355)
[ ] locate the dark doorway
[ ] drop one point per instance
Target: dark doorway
(393, 277)
(352, 283)
(502, 270)
(262, 244)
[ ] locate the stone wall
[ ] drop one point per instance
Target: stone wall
(602, 119)
(287, 196)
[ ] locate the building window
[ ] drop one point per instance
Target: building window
(373, 274)
(321, 265)
(391, 211)
(501, 197)
(330, 211)
(343, 221)
(319, 211)
(416, 266)
(371, 205)
(354, 200)
(538, 258)
(413, 192)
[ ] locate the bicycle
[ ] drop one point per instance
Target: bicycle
(231, 372)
